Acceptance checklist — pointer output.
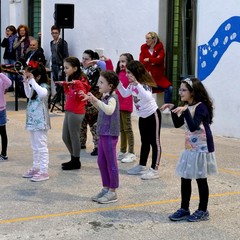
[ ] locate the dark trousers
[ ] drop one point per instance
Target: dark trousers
(4, 140)
(150, 137)
(186, 191)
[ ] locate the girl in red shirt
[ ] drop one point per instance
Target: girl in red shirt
(75, 82)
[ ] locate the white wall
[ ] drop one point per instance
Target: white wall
(223, 83)
(116, 26)
(120, 26)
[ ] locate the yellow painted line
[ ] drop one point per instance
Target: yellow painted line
(229, 171)
(113, 208)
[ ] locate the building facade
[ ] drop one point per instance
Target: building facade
(201, 39)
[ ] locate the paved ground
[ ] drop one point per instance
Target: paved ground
(60, 208)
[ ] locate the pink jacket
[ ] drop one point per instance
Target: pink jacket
(5, 83)
(126, 104)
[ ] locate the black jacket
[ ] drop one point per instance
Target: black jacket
(37, 56)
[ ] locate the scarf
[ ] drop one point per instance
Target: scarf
(11, 40)
(23, 50)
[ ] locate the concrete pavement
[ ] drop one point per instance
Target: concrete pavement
(60, 208)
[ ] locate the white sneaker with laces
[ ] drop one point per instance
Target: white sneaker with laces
(129, 157)
(120, 155)
(99, 195)
(136, 170)
(109, 197)
(150, 174)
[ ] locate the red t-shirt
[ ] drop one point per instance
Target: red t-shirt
(74, 101)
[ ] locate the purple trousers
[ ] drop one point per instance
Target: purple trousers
(107, 161)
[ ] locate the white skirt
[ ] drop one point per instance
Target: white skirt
(194, 165)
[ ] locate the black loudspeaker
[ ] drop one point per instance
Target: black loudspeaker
(64, 15)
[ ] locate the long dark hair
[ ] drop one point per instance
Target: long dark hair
(37, 69)
(129, 58)
(140, 73)
(74, 62)
(199, 94)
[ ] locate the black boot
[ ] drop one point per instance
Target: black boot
(94, 152)
(73, 164)
(67, 163)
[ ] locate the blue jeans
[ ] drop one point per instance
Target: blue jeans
(167, 93)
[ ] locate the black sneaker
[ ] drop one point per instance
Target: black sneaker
(180, 214)
(83, 147)
(94, 152)
(3, 158)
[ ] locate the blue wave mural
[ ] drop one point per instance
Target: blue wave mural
(210, 54)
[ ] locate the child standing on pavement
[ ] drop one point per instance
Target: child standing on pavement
(126, 108)
(108, 127)
(91, 66)
(5, 83)
(74, 110)
(198, 159)
(37, 122)
(140, 87)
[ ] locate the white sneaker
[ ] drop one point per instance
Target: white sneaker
(136, 170)
(99, 195)
(150, 174)
(129, 157)
(120, 155)
(109, 197)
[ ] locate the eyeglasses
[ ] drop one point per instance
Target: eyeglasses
(182, 90)
(54, 33)
(83, 58)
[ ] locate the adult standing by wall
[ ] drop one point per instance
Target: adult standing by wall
(59, 51)
(152, 57)
(22, 42)
(21, 45)
(9, 55)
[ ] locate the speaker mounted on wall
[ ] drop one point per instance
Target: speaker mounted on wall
(64, 15)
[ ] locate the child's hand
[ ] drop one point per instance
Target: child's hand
(84, 96)
(167, 105)
(132, 80)
(59, 83)
(180, 110)
(88, 97)
(30, 76)
(27, 76)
